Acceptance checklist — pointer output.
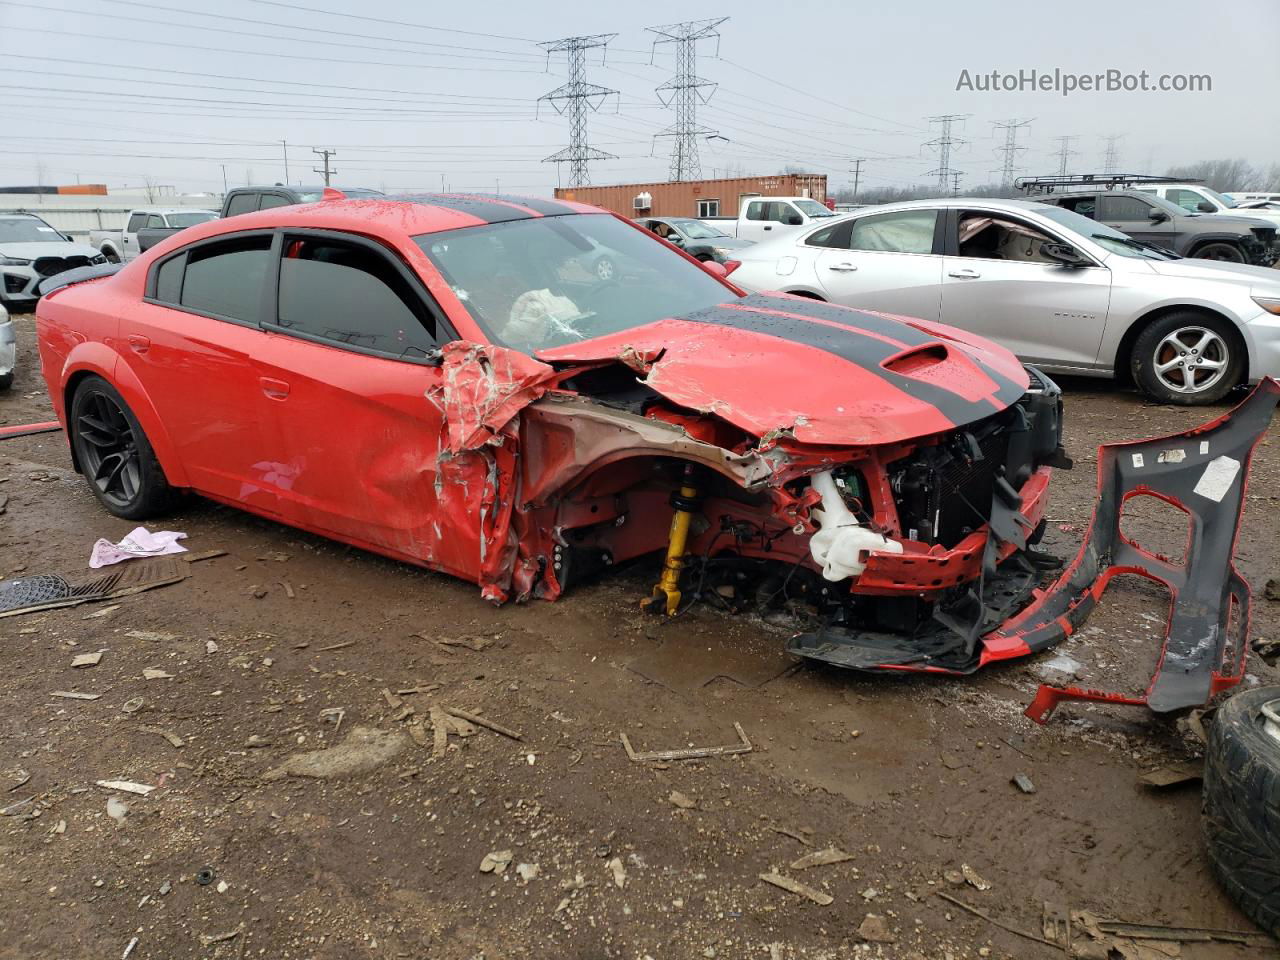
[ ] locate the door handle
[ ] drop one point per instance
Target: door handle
(843, 267)
(768, 228)
(964, 274)
(275, 389)
(139, 344)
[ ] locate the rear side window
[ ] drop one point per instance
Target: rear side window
(835, 235)
(135, 222)
(1125, 208)
(169, 279)
(242, 203)
(1086, 206)
(226, 279)
(270, 200)
(908, 231)
(349, 294)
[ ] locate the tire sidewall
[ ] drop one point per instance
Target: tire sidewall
(1148, 341)
(1238, 257)
(153, 489)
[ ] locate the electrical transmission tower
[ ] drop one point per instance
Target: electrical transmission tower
(1010, 148)
(324, 155)
(683, 91)
(943, 143)
(574, 99)
(955, 182)
(1064, 151)
(1111, 158)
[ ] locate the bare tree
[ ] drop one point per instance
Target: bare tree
(1230, 174)
(149, 185)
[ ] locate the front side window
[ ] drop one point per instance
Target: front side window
(756, 210)
(350, 294)
(987, 236)
(538, 283)
(270, 200)
(226, 278)
(1126, 208)
(907, 231)
(1188, 200)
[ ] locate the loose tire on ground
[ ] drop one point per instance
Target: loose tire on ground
(1157, 347)
(1241, 805)
(114, 454)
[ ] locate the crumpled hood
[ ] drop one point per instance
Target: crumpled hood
(777, 365)
(35, 250)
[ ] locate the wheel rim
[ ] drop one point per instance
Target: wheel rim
(604, 269)
(109, 450)
(1191, 360)
(1222, 252)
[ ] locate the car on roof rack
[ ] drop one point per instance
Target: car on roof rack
(1119, 201)
(242, 200)
(440, 379)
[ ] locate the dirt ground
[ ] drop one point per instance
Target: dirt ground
(911, 777)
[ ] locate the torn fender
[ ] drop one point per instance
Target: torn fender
(1203, 472)
(484, 387)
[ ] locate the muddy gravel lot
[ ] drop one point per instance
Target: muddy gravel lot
(557, 844)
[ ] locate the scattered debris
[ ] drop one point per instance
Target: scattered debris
(365, 749)
(14, 808)
(682, 801)
(337, 646)
(132, 705)
(821, 858)
(1023, 783)
(208, 940)
(619, 872)
(496, 861)
(288, 589)
(476, 644)
(129, 949)
(206, 555)
(691, 753)
(87, 659)
(117, 809)
(992, 920)
(256, 742)
(798, 888)
(1055, 924)
(74, 695)
(482, 722)
(527, 871)
(125, 786)
(169, 735)
(874, 929)
(1173, 775)
(155, 673)
(104, 612)
(23, 779)
(151, 636)
(139, 543)
(787, 832)
(47, 592)
(223, 886)
(440, 730)
(338, 712)
(971, 877)
(205, 876)
(1159, 931)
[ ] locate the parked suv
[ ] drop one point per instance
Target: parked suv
(31, 250)
(248, 199)
(1157, 221)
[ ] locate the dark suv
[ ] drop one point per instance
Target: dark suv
(248, 199)
(1164, 224)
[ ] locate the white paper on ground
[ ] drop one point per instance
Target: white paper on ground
(140, 543)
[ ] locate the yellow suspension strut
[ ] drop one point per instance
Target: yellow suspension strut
(666, 594)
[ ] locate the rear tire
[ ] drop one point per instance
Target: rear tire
(110, 254)
(6, 380)
(1187, 358)
(1226, 252)
(1241, 806)
(114, 454)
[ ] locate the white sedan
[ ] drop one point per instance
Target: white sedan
(1060, 290)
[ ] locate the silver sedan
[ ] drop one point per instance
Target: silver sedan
(1061, 291)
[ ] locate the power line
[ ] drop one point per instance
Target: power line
(397, 23)
(1064, 151)
(574, 99)
(684, 90)
(326, 172)
(944, 142)
(1010, 148)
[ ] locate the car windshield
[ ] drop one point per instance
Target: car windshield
(1221, 198)
(697, 230)
(27, 230)
(549, 281)
(190, 219)
(813, 208)
(1113, 241)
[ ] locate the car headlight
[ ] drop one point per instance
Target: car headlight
(1269, 304)
(14, 262)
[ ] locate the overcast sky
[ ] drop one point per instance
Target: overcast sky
(409, 93)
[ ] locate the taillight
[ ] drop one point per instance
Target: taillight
(730, 266)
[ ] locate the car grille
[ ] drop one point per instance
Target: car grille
(48, 266)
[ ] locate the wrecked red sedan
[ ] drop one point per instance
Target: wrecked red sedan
(457, 382)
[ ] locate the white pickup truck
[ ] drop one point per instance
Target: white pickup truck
(154, 223)
(763, 218)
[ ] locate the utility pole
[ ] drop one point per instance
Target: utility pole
(1064, 151)
(943, 143)
(1010, 148)
(574, 99)
(224, 178)
(285, 147)
(1111, 157)
(955, 182)
(857, 175)
(325, 155)
(684, 90)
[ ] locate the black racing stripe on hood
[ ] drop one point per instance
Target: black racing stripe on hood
(864, 352)
(484, 208)
(856, 319)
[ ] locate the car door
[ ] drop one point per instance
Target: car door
(347, 365)
(1138, 217)
(998, 284)
(765, 219)
(882, 261)
(189, 344)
